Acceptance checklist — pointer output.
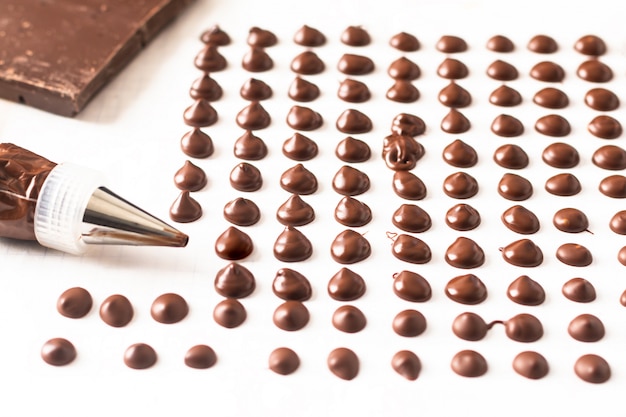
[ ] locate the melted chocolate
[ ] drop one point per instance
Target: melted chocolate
(343, 363)
(352, 121)
(613, 186)
(605, 127)
(404, 69)
(295, 212)
(407, 124)
(592, 368)
(469, 363)
(200, 114)
(455, 122)
(464, 253)
(262, 38)
(298, 180)
(524, 328)
(309, 36)
(591, 45)
(209, 59)
(349, 319)
(531, 365)
(346, 285)
(351, 64)
(303, 91)
(283, 361)
(560, 155)
(291, 316)
(307, 63)
(460, 185)
(542, 44)
(462, 217)
(451, 44)
(200, 357)
(403, 91)
(246, 177)
(205, 88)
(185, 209)
(242, 212)
(522, 253)
(299, 148)
(233, 244)
(304, 118)
(169, 308)
(190, 177)
(404, 42)
(511, 157)
(610, 157)
(353, 91)
(579, 290)
(401, 152)
(216, 36)
(551, 98)
(350, 247)
(58, 352)
(255, 90)
(257, 60)
(408, 186)
(466, 289)
(140, 356)
(229, 313)
(453, 95)
(411, 249)
(502, 71)
(507, 126)
(292, 246)
(196, 144)
(574, 254)
(452, 69)
(350, 181)
(234, 281)
(515, 187)
(586, 328)
(250, 147)
(618, 222)
(505, 96)
(353, 150)
(469, 326)
(520, 220)
(355, 36)
(547, 71)
(352, 212)
(601, 99)
(411, 218)
(116, 311)
(74, 303)
(526, 291)
(570, 220)
(291, 285)
(409, 323)
(563, 185)
(253, 117)
(500, 43)
(407, 364)
(594, 71)
(411, 286)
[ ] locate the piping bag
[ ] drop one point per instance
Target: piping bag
(67, 207)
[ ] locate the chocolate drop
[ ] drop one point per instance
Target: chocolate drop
(200, 357)
(403, 91)
(307, 63)
(404, 69)
(522, 253)
(464, 253)
(234, 281)
(574, 254)
(547, 71)
(455, 122)
(613, 186)
(233, 244)
(551, 98)
(246, 177)
(579, 290)
(469, 363)
(462, 217)
(283, 361)
(353, 150)
(169, 308)
(190, 177)
(460, 154)
(350, 247)
(560, 155)
(407, 364)
(469, 326)
(351, 64)
(411, 286)
(409, 323)
(502, 71)
(531, 365)
(542, 44)
(116, 311)
(511, 157)
(298, 180)
(295, 212)
(520, 220)
(229, 313)
(205, 88)
(455, 96)
(618, 222)
(405, 124)
(346, 285)
(411, 218)
(257, 60)
(350, 181)
(353, 91)
(349, 319)
(553, 125)
(58, 352)
(609, 157)
(209, 59)
(451, 44)
(499, 43)
(515, 187)
(622, 298)
(594, 71)
(605, 127)
(505, 96)
(242, 212)
(401, 152)
(303, 91)
(524, 328)
(570, 220)
(452, 69)
(355, 36)
(460, 185)
(255, 90)
(196, 144)
(308, 36)
(253, 117)
(601, 99)
(591, 45)
(140, 356)
(250, 147)
(292, 246)
(343, 363)
(586, 328)
(592, 368)
(563, 185)
(466, 289)
(299, 148)
(352, 212)
(185, 209)
(507, 126)
(526, 291)
(408, 186)
(216, 36)
(404, 42)
(621, 255)
(291, 285)
(291, 316)
(262, 38)
(352, 121)
(200, 114)
(74, 303)
(411, 249)
(304, 118)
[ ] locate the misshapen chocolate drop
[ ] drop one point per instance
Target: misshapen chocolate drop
(464, 253)
(349, 319)
(229, 313)
(522, 253)
(246, 177)
(407, 124)
(185, 209)
(304, 118)
(352, 212)
(58, 352)
(453, 95)
(255, 90)
(613, 186)
(352, 64)
(242, 212)
(299, 148)
(594, 71)
(542, 44)
(411, 249)
(547, 71)
(209, 59)
(234, 281)
(355, 36)
(511, 156)
(560, 155)
(406, 364)
(408, 186)
(353, 150)
(216, 36)
(350, 247)
(526, 291)
(346, 285)
(289, 284)
(570, 220)
(459, 154)
(610, 157)
(601, 99)
(403, 91)
(350, 181)
(307, 63)
(283, 361)
(190, 177)
(260, 37)
(531, 365)
(411, 218)
(551, 98)
(605, 127)
(579, 290)
(451, 44)
(507, 126)
(295, 212)
(502, 71)
(462, 217)
(460, 185)
(592, 368)
(353, 91)
(574, 254)
(343, 363)
(404, 69)
(253, 117)
(298, 180)
(564, 185)
(586, 328)
(469, 363)
(309, 36)
(411, 286)
(401, 152)
(505, 96)
(200, 114)
(257, 60)
(455, 122)
(515, 187)
(520, 220)
(469, 326)
(250, 147)
(292, 245)
(206, 88)
(291, 316)
(452, 69)
(169, 308)
(500, 43)
(405, 42)
(196, 144)
(591, 45)
(409, 323)
(352, 121)
(303, 91)
(524, 328)
(233, 244)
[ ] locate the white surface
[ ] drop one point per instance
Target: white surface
(131, 132)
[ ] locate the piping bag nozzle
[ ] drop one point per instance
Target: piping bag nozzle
(74, 210)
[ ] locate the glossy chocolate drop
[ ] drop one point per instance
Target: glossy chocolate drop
(307, 63)
(216, 36)
(579, 290)
(261, 37)
(309, 36)
(553, 125)
(411, 286)
(564, 185)
(469, 326)
(242, 212)
(511, 157)
(455, 122)
(404, 69)
(542, 44)
(595, 71)
(234, 281)
(303, 91)
(500, 43)
(601, 99)
(411, 218)
(547, 71)
(304, 118)
(515, 187)
(522, 253)
(524, 328)
(250, 147)
(469, 363)
(74, 303)
(255, 90)
(291, 316)
(292, 245)
(350, 247)
(253, 117)
(185, 209)
(200, 114)
(560, 155)
(464, 253)
(408, 186)
(505, 96)
(462, 217)
(610, 157)
(520, 220)
(350, 181)
(586, 328)
(209, 59)
(206, 88)
(466, 289)
(592, 368)
(116, 311)
(605, 127)
(526, 291)
(531, 365)
(502, 71)
(591, 45)
(58, 352)
(353, 91)
(570, 220)
(451, 44)
(618, 222)
(551, 98)
(291, 285)
(190, 177)
(622, 298)
(404, 42)
(352, 121)
(453, 95)
(257, 60)
(200, 357)
(355, 36)
(460, 185)
(406, 364)
(233, 244)
(621, 255)
(299, 148)
(283, 361)
(408, 125)
(246, 177)
(352, 212)
(140, 356)
(346, 285)
(229, 313)
(196, 144)
(351, 64)
(574, 254)
(349, 319)
(613, 186)
(295, 212)
(298, 180)
(169, 308)
(343, 363)
(507, 126)
(403, 91)
(411, 249)
(409, 323)
(452, 69)
(401, 152)
(353, 150)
